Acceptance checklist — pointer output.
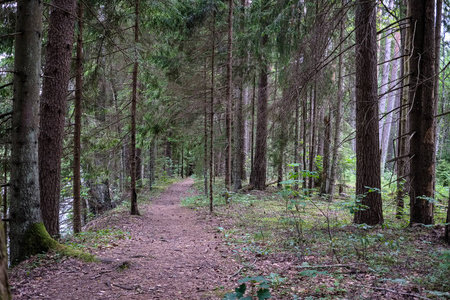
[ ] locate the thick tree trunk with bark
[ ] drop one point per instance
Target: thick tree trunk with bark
(53, 109)
(422, 110)
(77, 129)
(368, 180)
(25, 205)
(258, 175)
(134, 206)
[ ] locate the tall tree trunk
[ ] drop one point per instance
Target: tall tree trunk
(325, 176)
(422, 109)
(205, 127)
(391, 99)
(296, 139)
(447, 220)
(403, 128)
(338, 118)
(258, 175)
(368, 177)
(53, 109)
(252, 143)
(312, 145)
(77, 133)
(384, 85)
(211, 116)
(25, 212)
(134, 207)
(239, 159)
(229, 96)
(437, 46)
(304, 139)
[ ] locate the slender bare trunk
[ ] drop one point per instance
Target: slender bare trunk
(134, 206)
(77, 133)
(211, 116)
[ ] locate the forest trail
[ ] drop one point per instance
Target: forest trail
(172, 254)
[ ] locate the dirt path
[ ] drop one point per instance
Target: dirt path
(172, 254)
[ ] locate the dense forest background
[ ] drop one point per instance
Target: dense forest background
(336, 99)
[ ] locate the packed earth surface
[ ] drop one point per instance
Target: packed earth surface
(174, 252)
(171, 253)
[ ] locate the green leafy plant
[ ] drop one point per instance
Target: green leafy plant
(258, 288)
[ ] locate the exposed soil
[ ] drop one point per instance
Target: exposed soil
(172, 254)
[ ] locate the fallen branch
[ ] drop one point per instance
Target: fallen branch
(109, 284)
(240, 269)
(393, 291)
(330, 266)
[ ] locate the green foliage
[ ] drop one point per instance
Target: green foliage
(258, 287)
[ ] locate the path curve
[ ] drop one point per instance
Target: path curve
(172, 254)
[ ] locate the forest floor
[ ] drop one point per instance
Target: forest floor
(299, 248)
(169, 252)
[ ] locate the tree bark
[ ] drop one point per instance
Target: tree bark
(338, 118)
(5, 291)
(391, 100)
(134, 206)
(258, 175)
(368, 180)
(229, 96)
(77, 133)
(53, 109)
(25, 205)
(422, 109)
(211, 116)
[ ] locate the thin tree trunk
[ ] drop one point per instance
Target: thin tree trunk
(391, 99)
(296, 139)
(53, 109)
(77, 133)
(134, 207)
(229, 96)
(437, 66)
(447, 227)
(368, 177)
(253, 125)
(422, 109)
(312, 146)
(211, 116)
(403, 141)
(384, 85)
(205, 127)
(5, 291)
(338, 118)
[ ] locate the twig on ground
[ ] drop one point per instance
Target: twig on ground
(331, 266)
(240, 269)
(393, 291)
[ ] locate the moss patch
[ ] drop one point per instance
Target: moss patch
(37, 240)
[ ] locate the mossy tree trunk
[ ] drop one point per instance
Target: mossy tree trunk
(25, 206)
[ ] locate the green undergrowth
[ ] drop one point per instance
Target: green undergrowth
(315, 234)
(39, 241)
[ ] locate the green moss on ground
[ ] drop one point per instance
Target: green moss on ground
(37, 240)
